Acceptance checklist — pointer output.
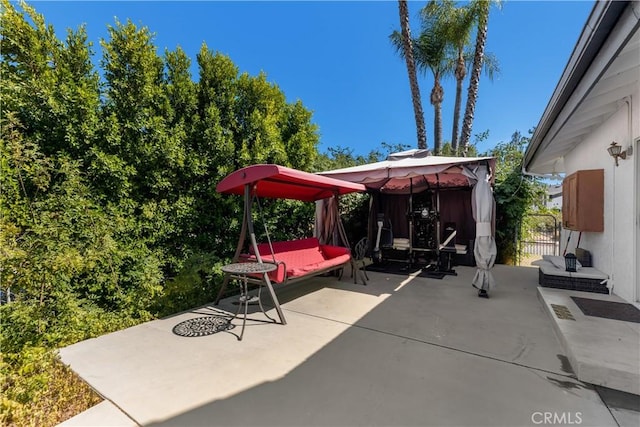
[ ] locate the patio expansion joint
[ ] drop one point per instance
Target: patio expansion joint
(604, 402)
(126, 414)
(110, 401)
(470, 353)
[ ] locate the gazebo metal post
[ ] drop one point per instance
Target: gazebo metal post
(410, 222)
(438, 218)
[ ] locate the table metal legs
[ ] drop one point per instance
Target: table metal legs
(245, 300)
(261, 307)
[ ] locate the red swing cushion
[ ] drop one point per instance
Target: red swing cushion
(301, 257)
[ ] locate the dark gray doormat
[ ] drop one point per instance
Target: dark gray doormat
(400, 268)
(432, 274)
(608, 309)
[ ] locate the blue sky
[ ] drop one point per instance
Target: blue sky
(337, 59)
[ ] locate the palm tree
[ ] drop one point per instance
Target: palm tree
(459, 23)
(481, 10)
(407, 43)
(430, 53)
(490, 67)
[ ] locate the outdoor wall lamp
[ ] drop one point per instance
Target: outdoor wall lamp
(615, 151)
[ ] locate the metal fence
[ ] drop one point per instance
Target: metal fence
(539, 235)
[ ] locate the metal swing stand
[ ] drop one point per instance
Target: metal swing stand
(244, 277)
(273, 181)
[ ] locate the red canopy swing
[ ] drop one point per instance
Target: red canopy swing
(274, 181)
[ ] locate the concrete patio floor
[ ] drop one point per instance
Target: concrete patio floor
(401, 351)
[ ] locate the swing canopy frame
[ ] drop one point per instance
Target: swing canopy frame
(280, 182)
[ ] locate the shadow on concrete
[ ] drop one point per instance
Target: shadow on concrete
(430, 352)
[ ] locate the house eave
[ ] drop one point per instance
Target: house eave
(609, 28)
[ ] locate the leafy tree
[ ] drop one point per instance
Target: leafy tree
(67, 246)
(48, 85)
(244, 120)
(136, 98)
(181, 90)
(343, 157)
(354, 208)
(514, 193)
(183, 120)
(214, 153)
(73, 272)
(108, 209)
(300, 135)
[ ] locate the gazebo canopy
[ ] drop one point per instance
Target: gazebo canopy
(412, 169)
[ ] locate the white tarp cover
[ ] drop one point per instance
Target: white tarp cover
(485, 245)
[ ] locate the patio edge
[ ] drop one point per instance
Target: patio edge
(612, 364)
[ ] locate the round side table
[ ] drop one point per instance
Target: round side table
(242, 271)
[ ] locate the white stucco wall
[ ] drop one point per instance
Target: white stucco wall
(614, 250)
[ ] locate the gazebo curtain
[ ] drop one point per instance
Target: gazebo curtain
(485, 245)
